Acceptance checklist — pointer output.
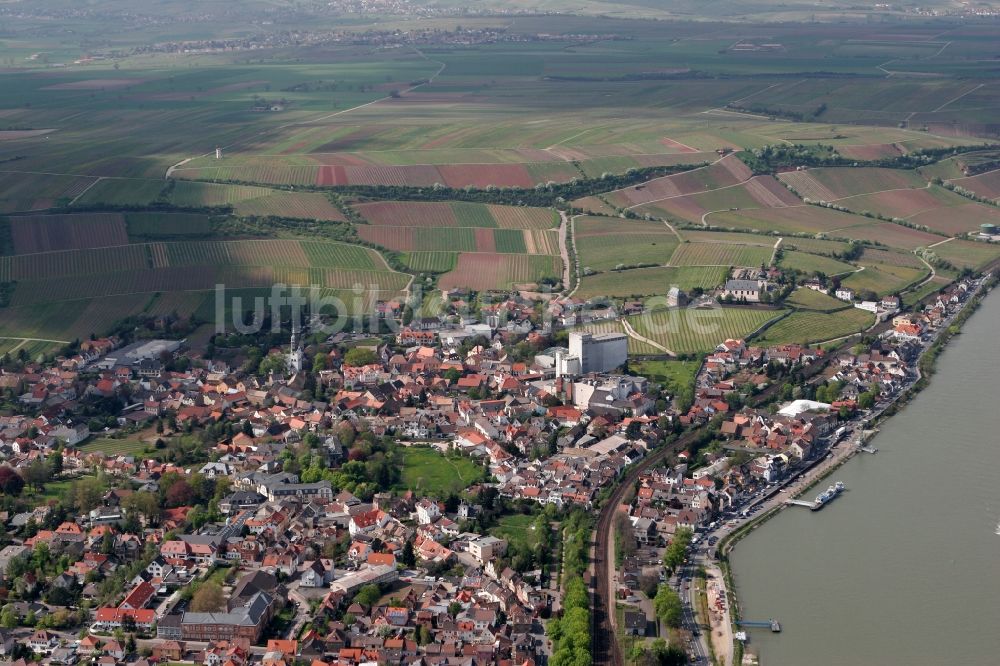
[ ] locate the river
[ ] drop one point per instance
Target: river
(904, 567)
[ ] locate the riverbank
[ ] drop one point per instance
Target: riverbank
(814, 572)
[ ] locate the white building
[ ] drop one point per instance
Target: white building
(599, 352)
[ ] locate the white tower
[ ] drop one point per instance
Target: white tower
(294, 353)
(218, 153)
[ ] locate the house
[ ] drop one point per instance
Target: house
(635, 623)
(844, 294)
(317, 573)
(43, 642)
(487, 548)
(427, 512)
(743, 290)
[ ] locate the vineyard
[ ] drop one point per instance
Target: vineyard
(811, 263)
(655, 281)
(166, 225)
(811, 327)
(499, 271)
(431, 262)
(47, 233)
(210, 194)
(721, 254)
(810, 299)
(454, 214)
(883, 279)
(688, 330)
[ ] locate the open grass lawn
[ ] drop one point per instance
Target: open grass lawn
(53, 490)
(430, 472)
(519, 530)
(811, 327)
(674, 375)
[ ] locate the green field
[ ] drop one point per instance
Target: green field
(721, 254)
(804, 298)
(519, 530)
(687, 330)
(650, 281)
(811, 264)
(114, 447)
(812, 327)
(673, 375)
(604, 243)
(428, 471)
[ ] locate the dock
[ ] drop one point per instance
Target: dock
(795, 502)
(868, 449)
(771, 624)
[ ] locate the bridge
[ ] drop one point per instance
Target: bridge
(771, 624)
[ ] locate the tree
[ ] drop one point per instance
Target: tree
(209, 598)
(358, 356)
(37, 474)
(668, 606)
(179, 493)
(408, 558)
(454, 608)
(56, 463)
(88, 494)
(11, 482)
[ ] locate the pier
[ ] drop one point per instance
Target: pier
(771, 624)
(795, 502)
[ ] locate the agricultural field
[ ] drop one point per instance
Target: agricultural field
(986, 185)
(722, 174)
(455, 214)
(893, 235)
(812, 327)
(122, 192)
(482, 271)
(165, 225)
(603, 243)
(721, 254)
(804, 298)
(655, 281)
(47, 233)
(967, 254)
(811, 264)
(689, 330)
(196, 195)
(125, 279)
(25, 192)
(431, 262)
(798, 219)
(461, 239)
(883, 279)
(835, 183)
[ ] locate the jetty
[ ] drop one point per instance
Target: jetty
(771, 624)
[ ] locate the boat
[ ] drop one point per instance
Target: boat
(828, 494)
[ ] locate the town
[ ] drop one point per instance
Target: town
(426, 497)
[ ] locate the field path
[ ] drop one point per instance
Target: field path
(571, 238)
(564, 224)
(774, 254)
(24, 340)
(633, 334)
(320, 119)
(947, 240)
(955, 99)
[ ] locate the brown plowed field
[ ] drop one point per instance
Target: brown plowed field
(46, 233)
